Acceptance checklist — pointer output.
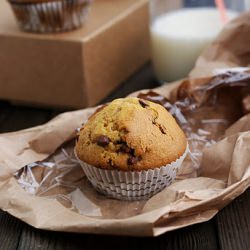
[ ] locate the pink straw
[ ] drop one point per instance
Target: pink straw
(222, 10)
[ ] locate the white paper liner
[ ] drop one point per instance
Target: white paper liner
(132, 185)
(52, 16)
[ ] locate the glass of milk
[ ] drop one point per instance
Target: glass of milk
(181, 29)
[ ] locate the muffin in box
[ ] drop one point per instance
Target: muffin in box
(131, 149)
(50, 15)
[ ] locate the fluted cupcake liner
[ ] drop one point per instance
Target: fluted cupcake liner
(51, 16)
(132, 185)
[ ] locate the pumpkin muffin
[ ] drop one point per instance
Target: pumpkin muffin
(131, 137)
(47, 16)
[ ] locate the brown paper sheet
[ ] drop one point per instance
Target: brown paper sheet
(213, 111)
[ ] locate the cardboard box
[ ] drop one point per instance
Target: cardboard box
(78, 68)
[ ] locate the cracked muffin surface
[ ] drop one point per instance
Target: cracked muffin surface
(130, 134)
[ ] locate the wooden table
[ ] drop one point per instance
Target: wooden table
(230, 229)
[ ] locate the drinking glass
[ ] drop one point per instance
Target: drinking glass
(180, 30)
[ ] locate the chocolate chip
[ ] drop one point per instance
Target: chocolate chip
(102, 140)
(143, 103)
(133, 160)
(125, 149)
(162, 129)
(118, 142)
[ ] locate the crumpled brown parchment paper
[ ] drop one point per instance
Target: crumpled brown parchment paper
(212, 110)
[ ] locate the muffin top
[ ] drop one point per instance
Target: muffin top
(130, 134)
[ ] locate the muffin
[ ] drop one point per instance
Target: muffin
(50, 15)
(131, 148)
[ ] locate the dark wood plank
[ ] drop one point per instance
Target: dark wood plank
(10, 231)
(16, 118)
(13, 118)
(4, 111)
(233, 224)
(201, 236)
(32, 239)
(38, 240)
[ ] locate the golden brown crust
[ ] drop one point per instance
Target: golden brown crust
(131, 134)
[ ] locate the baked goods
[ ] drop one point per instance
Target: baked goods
(50, 15)
(132, 144)
(131, 134)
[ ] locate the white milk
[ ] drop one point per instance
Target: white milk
(179, 37)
